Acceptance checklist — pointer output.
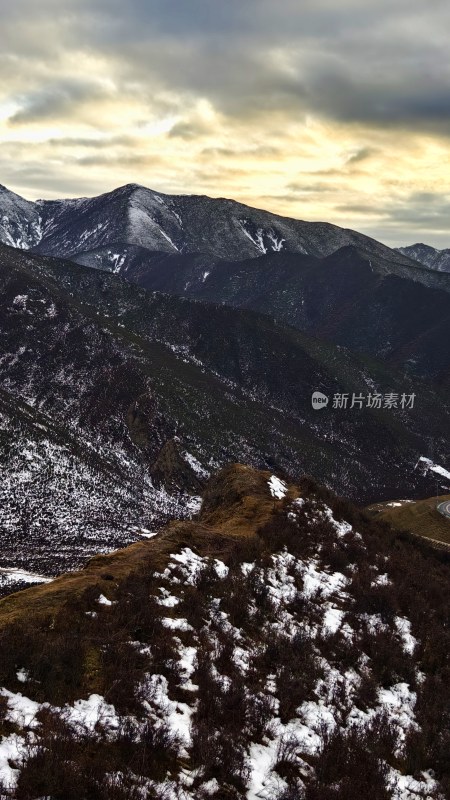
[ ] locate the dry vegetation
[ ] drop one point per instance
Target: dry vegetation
(420, 517)
(251, 628)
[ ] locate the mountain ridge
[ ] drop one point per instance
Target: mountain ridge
(218, 227)
(340, 298)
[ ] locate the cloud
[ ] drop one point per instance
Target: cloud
(332, 109)
(296, 189)
(72, 142)
(423, 210)
(379, 62)
(418, 215)
(57, 99)
(363, 154)
(258, 151)
(187, 130)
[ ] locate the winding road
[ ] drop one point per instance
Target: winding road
(444, 508)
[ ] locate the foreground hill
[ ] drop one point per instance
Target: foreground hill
(267, 649)
(117, 403)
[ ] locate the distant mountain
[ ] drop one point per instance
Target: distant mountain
(331, 282)
(428, 256)
(20, 220)
(116, 403)
(99, 230)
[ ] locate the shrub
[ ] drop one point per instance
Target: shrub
(348, 768)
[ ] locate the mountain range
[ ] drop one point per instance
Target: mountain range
(198, 339)
(333, 283)
(179, 224)
(340, 298)
(254, 635)
(117, 403)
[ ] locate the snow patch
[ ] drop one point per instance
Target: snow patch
(86, 715)
(277, 487)
(194, 463)
(21, 710)
(403, 626)
(176, 624)
(428, 465)
(104, 601)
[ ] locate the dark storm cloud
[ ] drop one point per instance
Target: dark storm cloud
(376, 62)
(403, 100)
(323, 95)
(382, 63)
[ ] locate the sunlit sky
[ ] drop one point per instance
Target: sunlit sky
(334, 110)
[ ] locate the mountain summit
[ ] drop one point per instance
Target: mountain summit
(98, 230)
(428, 256)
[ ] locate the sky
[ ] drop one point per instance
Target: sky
(335, 110)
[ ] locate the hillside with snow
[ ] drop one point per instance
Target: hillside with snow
(429, 256)
(116, 404)
(331, 282)
(20, 221)
(100, 231)
(265, 650)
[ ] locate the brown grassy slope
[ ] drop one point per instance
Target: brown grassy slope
(420, 518)
(237, 502)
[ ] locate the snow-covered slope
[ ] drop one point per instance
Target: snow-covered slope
(172, 224)
(75, 452)
(67, 494)
(430, 257)
(128, 382)
(138, 216)
(178, 224)
(20, 221)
